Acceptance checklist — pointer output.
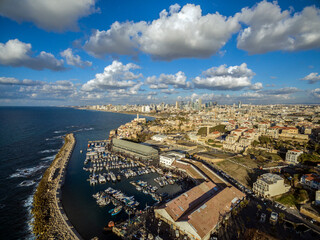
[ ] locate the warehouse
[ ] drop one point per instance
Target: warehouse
(134, 149)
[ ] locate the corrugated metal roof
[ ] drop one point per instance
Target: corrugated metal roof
(134, 146)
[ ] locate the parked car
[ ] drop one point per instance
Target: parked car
(263, 217)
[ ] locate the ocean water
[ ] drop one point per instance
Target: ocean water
(30, 137)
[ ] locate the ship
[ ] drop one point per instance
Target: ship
(116, 210)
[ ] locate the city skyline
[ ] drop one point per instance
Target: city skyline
(102, 52)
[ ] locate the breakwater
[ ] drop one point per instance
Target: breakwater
(50, 221)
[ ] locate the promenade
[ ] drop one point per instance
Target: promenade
(49, 194)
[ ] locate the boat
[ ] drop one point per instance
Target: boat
(80, 151)
(116, 210)
(118, 177)
(109, 226)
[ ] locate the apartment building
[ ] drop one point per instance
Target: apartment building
(270, 185)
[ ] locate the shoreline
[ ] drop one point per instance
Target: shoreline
(122, 112)
(50, 221)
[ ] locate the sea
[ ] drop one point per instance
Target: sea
(30, 137)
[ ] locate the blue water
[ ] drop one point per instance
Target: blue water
(29, 139)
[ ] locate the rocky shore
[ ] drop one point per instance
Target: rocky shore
(50, 221)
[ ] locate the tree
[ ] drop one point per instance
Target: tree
(259, 207)
(255, 143)
(281, 217)
(302, 196)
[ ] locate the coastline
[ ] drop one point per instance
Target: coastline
(123, 112)
(50, 221)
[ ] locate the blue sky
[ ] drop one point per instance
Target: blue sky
(72, 52)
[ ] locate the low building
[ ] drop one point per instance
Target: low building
(167, 159)
(317, 198)
(292, 156)
(270, 185)
(198, 212)
(159, 137)
(134, 149)
(311, 180)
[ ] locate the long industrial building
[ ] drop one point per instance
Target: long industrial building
(134, 149)
(198, 212)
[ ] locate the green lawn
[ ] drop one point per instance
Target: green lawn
(287, 199)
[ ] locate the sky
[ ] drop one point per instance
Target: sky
(85, 52)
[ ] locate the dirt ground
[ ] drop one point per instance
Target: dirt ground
(238, 172)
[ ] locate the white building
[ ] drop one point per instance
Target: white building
(292, 156)
(270, 185)
(159, 137)
(168, 158)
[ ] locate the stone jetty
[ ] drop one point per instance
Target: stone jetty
(50, 221)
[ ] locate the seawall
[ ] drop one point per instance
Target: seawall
(50, 221)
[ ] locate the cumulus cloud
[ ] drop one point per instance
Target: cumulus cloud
(18, 54)
(74, 60)
(58, 15)
(13, 88)
(270, 29)
(14, 81)
(316, 92)
(121, 39)
(169, 91)
(286, 90)
(177, 80)
(271, 95)
(225, 78)
(115, 76)
(179, 33)
(256, 86)
(312, 78)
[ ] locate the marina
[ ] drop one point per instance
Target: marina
(111, 187)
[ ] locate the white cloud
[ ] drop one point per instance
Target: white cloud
(251, 95)
(18, 54)
(256, 86)
(177, 80)
(169, 91)
(286, 90)
(121, 38)
(175, 34)
(58, 15)
(270, 29)
(115, 76)
(74, 60)
(14, 81)
(271, 95)
(312, 78)
(316, 92)
(225, 78)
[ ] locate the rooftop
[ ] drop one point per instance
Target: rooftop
(270, 178)
(134, 146)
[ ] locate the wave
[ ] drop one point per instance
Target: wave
(84, 129)
(26, 172)
(49, 158)
(49, 151)
(27, 183)
(61, 131)
(27, 203)
(54, 138)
